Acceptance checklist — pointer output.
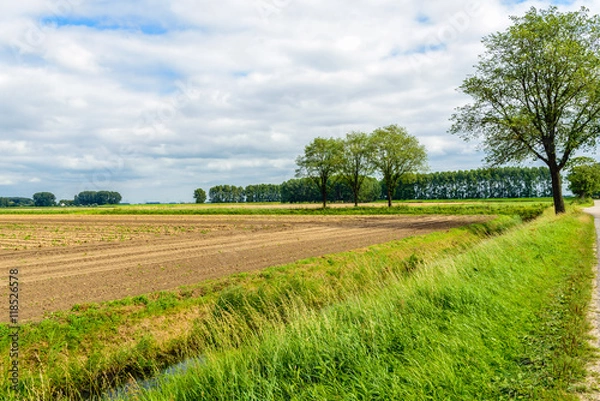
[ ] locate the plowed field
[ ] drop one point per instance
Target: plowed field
(74, 259)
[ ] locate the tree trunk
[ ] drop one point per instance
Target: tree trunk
(559, 202)
(355, 198)
(389, 196)
(324, 194)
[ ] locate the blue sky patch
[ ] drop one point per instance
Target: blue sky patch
(423, 49)
(423, 19)
(106, 24)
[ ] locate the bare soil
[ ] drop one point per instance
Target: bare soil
(75, 259)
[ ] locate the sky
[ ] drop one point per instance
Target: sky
(155, 98)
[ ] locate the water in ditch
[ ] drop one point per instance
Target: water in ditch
(147, 384)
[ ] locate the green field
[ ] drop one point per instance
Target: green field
(526, 208)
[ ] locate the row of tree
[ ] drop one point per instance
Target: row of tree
(15, 202)
(227, 194)
(45, 199)
(38, 199)
(508, 182)
(234, 194)
(87, 198)
(389, 151)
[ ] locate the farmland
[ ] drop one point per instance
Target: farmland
(73, 259)
(114, 293)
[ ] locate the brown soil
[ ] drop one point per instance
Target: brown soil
(68, 260)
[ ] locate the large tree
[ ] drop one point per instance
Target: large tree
(320, 162)
(536, 92)
(356, 162)
(394, 154)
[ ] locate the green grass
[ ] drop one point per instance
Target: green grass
(504, 321)
(96, 346)
(526, 209)
(413, 319)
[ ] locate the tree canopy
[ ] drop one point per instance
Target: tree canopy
(44, 199)
(87, 198)
(320, 162)
(395, 153)
(536, 92)
(356, 163)
(200, 195)
(227, 194)
(584, 177)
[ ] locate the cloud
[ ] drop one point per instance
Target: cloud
(155, 99)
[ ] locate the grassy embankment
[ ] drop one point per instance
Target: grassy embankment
(70, 355)
(505, 320)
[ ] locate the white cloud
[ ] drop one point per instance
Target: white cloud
(157, 98)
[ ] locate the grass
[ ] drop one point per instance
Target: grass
(431, 317)
(504, 321)
(95, 346)
(527, 209)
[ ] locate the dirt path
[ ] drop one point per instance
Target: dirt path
(66, 260)
(593, 382)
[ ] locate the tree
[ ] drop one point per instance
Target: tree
(584, 177)
(536, 92)
(114, 198)
(102, 197)
(200, 195)
(320, 162)
(87, 198)
(396, 153)
(356, 162)
(44, 199)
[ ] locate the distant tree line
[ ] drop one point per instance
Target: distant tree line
(227, 194)
(16, 202)
(263, 193)
(292, 191)
(46, 199)
(507, 182)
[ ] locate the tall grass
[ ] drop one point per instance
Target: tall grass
(93, 347)
(503, 321)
